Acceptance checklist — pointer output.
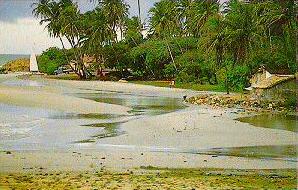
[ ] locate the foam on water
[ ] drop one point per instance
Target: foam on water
(23, 83)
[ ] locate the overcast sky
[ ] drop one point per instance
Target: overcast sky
(20, 32)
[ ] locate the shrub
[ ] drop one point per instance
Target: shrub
(50, 60)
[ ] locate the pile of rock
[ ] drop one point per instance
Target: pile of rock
(236, 101)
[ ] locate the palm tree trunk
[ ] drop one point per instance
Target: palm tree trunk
(171, 55)
(139, 9)
(227, 81)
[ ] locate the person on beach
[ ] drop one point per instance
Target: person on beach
(172, 84)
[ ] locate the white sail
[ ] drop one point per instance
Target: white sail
(33, 63)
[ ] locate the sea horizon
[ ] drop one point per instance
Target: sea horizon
(5, 58)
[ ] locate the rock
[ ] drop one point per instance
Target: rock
(8, 152)
(123, 81)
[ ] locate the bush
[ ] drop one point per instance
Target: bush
(238, 77)
(2, 70)
(191, 67)
(291, 101)
(50, 60)
(18, 65)
(153, 56)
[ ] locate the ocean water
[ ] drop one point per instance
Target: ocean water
(4, 58)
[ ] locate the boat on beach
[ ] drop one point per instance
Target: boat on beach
(33, 64)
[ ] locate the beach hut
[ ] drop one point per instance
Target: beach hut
(270, 86)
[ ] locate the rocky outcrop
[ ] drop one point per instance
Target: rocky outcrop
(238, 101)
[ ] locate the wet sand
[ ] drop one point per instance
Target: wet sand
(196, 129)
(122, 160)
(167, 140)
(54, 99)
(108, 86)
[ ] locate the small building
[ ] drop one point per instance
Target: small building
(271, 86)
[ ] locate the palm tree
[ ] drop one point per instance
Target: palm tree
(240, 32)
(277, 19)
(164, 21)
(132, 33)
(116, 12)
(97, 35)
(49, 11)
(139, 10)
(62, 19)
(198, 13)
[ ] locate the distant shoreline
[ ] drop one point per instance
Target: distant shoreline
(5, 58)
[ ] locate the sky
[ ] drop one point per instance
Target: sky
(20, 32)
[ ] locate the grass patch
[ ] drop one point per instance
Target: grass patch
(197, 87)
(158, 179)
(64, 77)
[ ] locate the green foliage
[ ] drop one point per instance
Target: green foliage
(149, 58)
(2, 70)
(164, 19)
(291, 101)
(116, 56)
(133, 35)
(50, 60)
(192, 68)
(18, 65)
(190, 41)
(153, 56)
(238, 77)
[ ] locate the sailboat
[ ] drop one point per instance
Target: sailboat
(33, 63)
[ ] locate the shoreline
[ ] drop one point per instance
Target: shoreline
(185, 129)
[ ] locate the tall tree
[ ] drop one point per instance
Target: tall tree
(164, 21)
(63, 20)
(116, 12)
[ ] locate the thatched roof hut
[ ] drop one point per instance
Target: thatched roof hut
(263, 79)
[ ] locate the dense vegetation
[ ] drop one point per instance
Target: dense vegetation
(50, 60)
(191, 41)
(21, 64)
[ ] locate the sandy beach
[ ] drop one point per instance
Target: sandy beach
(163, 140)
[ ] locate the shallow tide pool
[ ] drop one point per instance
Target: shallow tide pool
(274, 121)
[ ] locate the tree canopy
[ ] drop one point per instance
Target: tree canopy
(192, 41)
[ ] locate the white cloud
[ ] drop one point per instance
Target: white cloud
(24, 36)
(20, 33)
